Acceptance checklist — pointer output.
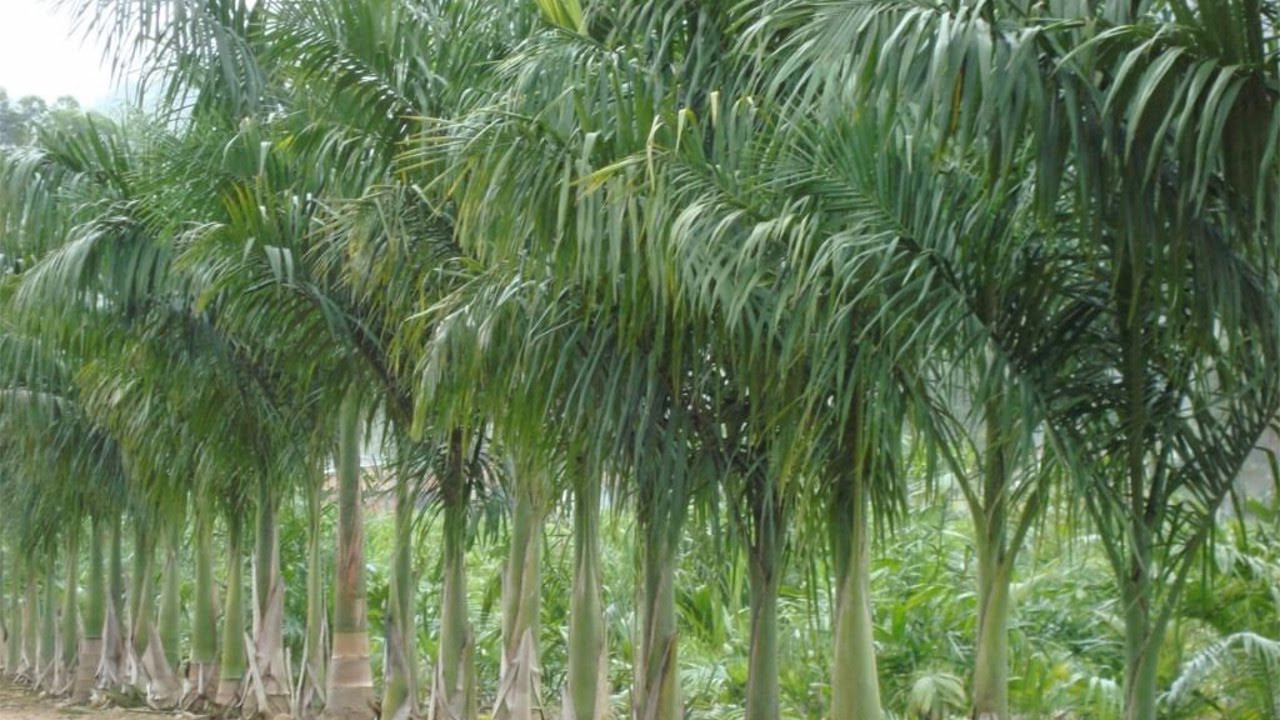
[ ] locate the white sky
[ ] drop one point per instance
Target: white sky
(40, 56)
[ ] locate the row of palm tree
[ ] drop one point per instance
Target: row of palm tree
(760, 259)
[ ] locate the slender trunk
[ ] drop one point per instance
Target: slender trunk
(90, 650)
(995, 560)
(658, 680)
(232, 666)
(991, 663)
(400, 667)
(13, 659)
(315, 669)
(110, 669)
(163, 687)
(520, 686)
(204, 622)
(69, 636)
(454, 693)
(139, 602)
(764, 565)
(30, 628)
(762, 674)
(1142, 637)
(169, 624)
(5, 639)
(855, 689)
(47, 647)
(269, 611)
(587, 689)
(47, 651)
(350, 693)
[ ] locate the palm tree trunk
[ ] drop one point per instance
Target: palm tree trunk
(995, 560)
(232, 666)
(13, 646)
(110, 668)
(587, 689)
(269, 612)
(315, 672)
(139, 602)
(520, 684)
(1142, 636)
(90, 650)
(765, 560)
(855, 689)
(70, 631)
(47, 651)
(170, 600)
(163, 688)
(991, 662)
(5, 639)
(350, 693)
(30, 628)
(453, 695)
(658, 679)
(204, 622)
(400, 667)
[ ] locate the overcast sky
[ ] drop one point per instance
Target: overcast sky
(39, 56)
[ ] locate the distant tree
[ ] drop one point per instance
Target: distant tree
(20, 119)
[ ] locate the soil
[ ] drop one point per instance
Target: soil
(19, 703)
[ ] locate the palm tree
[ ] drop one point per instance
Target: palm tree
(657, 457)
(44, 351)
(1071, 104)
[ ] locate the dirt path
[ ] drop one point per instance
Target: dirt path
(17, 703)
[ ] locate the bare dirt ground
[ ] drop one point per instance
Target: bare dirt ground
(18, 703)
